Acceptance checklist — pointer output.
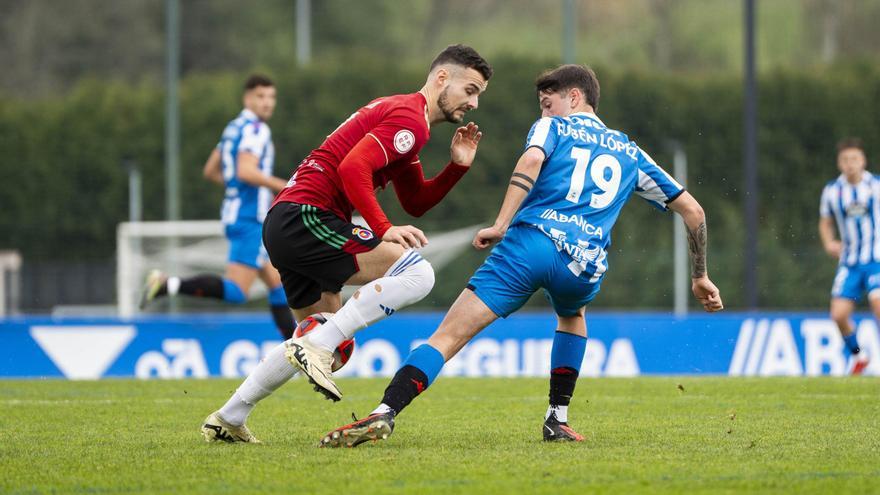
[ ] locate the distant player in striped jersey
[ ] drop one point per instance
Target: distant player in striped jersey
(311, 240)
(852, 201)
(554, 229)
(242, 162)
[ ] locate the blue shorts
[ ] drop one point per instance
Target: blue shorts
(525, 261)
(851, 282)
(246, 244)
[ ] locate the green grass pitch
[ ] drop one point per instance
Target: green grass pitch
(644, 435)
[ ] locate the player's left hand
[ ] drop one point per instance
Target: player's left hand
(708, 295)
(464, 144)
(487, 237)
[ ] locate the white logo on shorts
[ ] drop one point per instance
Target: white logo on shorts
(404, 141)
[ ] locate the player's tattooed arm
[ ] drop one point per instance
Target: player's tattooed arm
(697, 248)
(695, 223)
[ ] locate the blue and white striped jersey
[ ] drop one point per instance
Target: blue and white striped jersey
(245, 202)
(856, 211)
(589, 173)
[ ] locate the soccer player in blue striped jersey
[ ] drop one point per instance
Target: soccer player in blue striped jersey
(553, 233)
(852, 201)
(242, 162)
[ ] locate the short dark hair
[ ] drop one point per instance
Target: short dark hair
(257, 80)
(566, 77)
(850, 142)
(464, 56)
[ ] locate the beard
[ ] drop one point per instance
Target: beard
(446, 108)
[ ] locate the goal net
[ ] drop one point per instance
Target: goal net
(189, 247)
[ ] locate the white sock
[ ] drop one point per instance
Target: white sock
(272, 372)
(561, 413)
(172, 285)
(382, 409)
(236, 410)
(408, 280)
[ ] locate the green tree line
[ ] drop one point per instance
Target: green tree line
(65, 189)
(46, 46)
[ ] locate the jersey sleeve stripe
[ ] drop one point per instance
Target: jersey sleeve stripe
(653, 192)
(660, 180)
(649, 187)
(380, 145)
(539, 137)
(659, 174)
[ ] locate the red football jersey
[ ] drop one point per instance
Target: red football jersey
(399, 125)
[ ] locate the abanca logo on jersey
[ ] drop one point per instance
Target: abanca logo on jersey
(583, 224)
(404, 140)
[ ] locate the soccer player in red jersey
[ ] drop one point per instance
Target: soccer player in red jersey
(311, 241)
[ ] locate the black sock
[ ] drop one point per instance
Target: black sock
(407, 383)
(562, 383)
(283, 320)
(202, 286)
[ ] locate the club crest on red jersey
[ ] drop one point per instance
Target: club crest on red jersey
(362, 234)
(404, 140)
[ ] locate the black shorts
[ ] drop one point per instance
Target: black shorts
(313, 249)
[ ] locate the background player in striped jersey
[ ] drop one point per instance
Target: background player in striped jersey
(852, 201)
(311, 240)
(242, 162)
(554, 228)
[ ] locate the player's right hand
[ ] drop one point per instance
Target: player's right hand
(833, 249)
(708, 295)
(406, 235)
(487, 237)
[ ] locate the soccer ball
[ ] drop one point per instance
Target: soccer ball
(342, 353)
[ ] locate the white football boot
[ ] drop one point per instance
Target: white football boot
(214, 429)
(154, 281)
(315, 363)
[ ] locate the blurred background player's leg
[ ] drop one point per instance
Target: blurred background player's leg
(862, 358)
(231, 288)
(281, 312)
(841, 312)
(246, 257)
(850, 284)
